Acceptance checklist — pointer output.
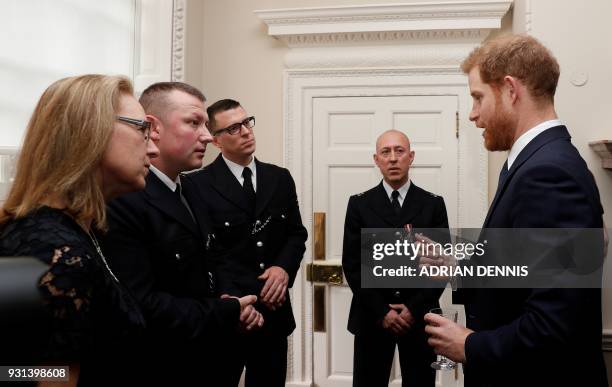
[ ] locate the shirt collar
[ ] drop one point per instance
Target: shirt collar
(165, 179)
(527, 137)
(403, 190)
(237, 168)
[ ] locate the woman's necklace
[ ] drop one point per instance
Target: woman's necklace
(92, 236)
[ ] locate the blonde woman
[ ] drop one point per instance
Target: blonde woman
(86, 143)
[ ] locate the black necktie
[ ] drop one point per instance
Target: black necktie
(503, 174)
(249, 191)
(179, 193)
(395, 202)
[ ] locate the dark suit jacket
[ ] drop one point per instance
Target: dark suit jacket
(539, 337)
(245, 247)
(372, 209)
(157, 250)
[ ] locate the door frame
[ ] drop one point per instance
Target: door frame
(301, 87)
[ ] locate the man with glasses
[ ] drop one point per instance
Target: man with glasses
(259, 239)
(157, 249)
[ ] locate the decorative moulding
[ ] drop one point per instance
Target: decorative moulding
(348, 38)
(604, 149)
(425, 57)
(446, 20)
(178, 40)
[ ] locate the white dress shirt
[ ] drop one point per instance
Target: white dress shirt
(403, 190)
(172, 185)
(237, 170)
(527, 137)
(165, 179)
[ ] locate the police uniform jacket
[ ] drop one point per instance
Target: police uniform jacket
(247, 243)
(156, 249)
(373, 209)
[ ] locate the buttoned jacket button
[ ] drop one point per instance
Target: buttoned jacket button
(262, 266)
(259, 243)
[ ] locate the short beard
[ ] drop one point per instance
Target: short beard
(500, 129)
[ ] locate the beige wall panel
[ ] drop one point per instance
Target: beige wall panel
(242, 62)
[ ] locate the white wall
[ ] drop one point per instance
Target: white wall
(43, 41)
(579, 35)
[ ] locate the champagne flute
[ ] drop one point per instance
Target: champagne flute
(444, 363)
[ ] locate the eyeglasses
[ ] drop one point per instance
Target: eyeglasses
(143, 125)
(248, 123)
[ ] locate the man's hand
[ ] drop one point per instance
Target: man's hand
(250, 318)
(244, 301)
(394, 323)
(404, 313)
(446, 337)
(273, 293)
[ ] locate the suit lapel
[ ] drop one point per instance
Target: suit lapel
(411, 207)
(266, 186)
(557, 132)
(226, 184)
(381, 205)
(166, 201)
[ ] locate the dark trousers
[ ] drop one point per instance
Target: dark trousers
(373, 357)
(264, 354)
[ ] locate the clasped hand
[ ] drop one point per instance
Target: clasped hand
(273, 293)
(398, 320)
(250, 318)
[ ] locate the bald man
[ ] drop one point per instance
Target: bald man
(380, 319)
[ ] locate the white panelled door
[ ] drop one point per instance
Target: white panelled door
(344, 136)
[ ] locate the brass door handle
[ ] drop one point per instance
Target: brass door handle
(335, 278)
(319, 236)
(320, 275)
(324, 273)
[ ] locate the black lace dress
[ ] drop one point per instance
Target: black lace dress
(94, 320)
